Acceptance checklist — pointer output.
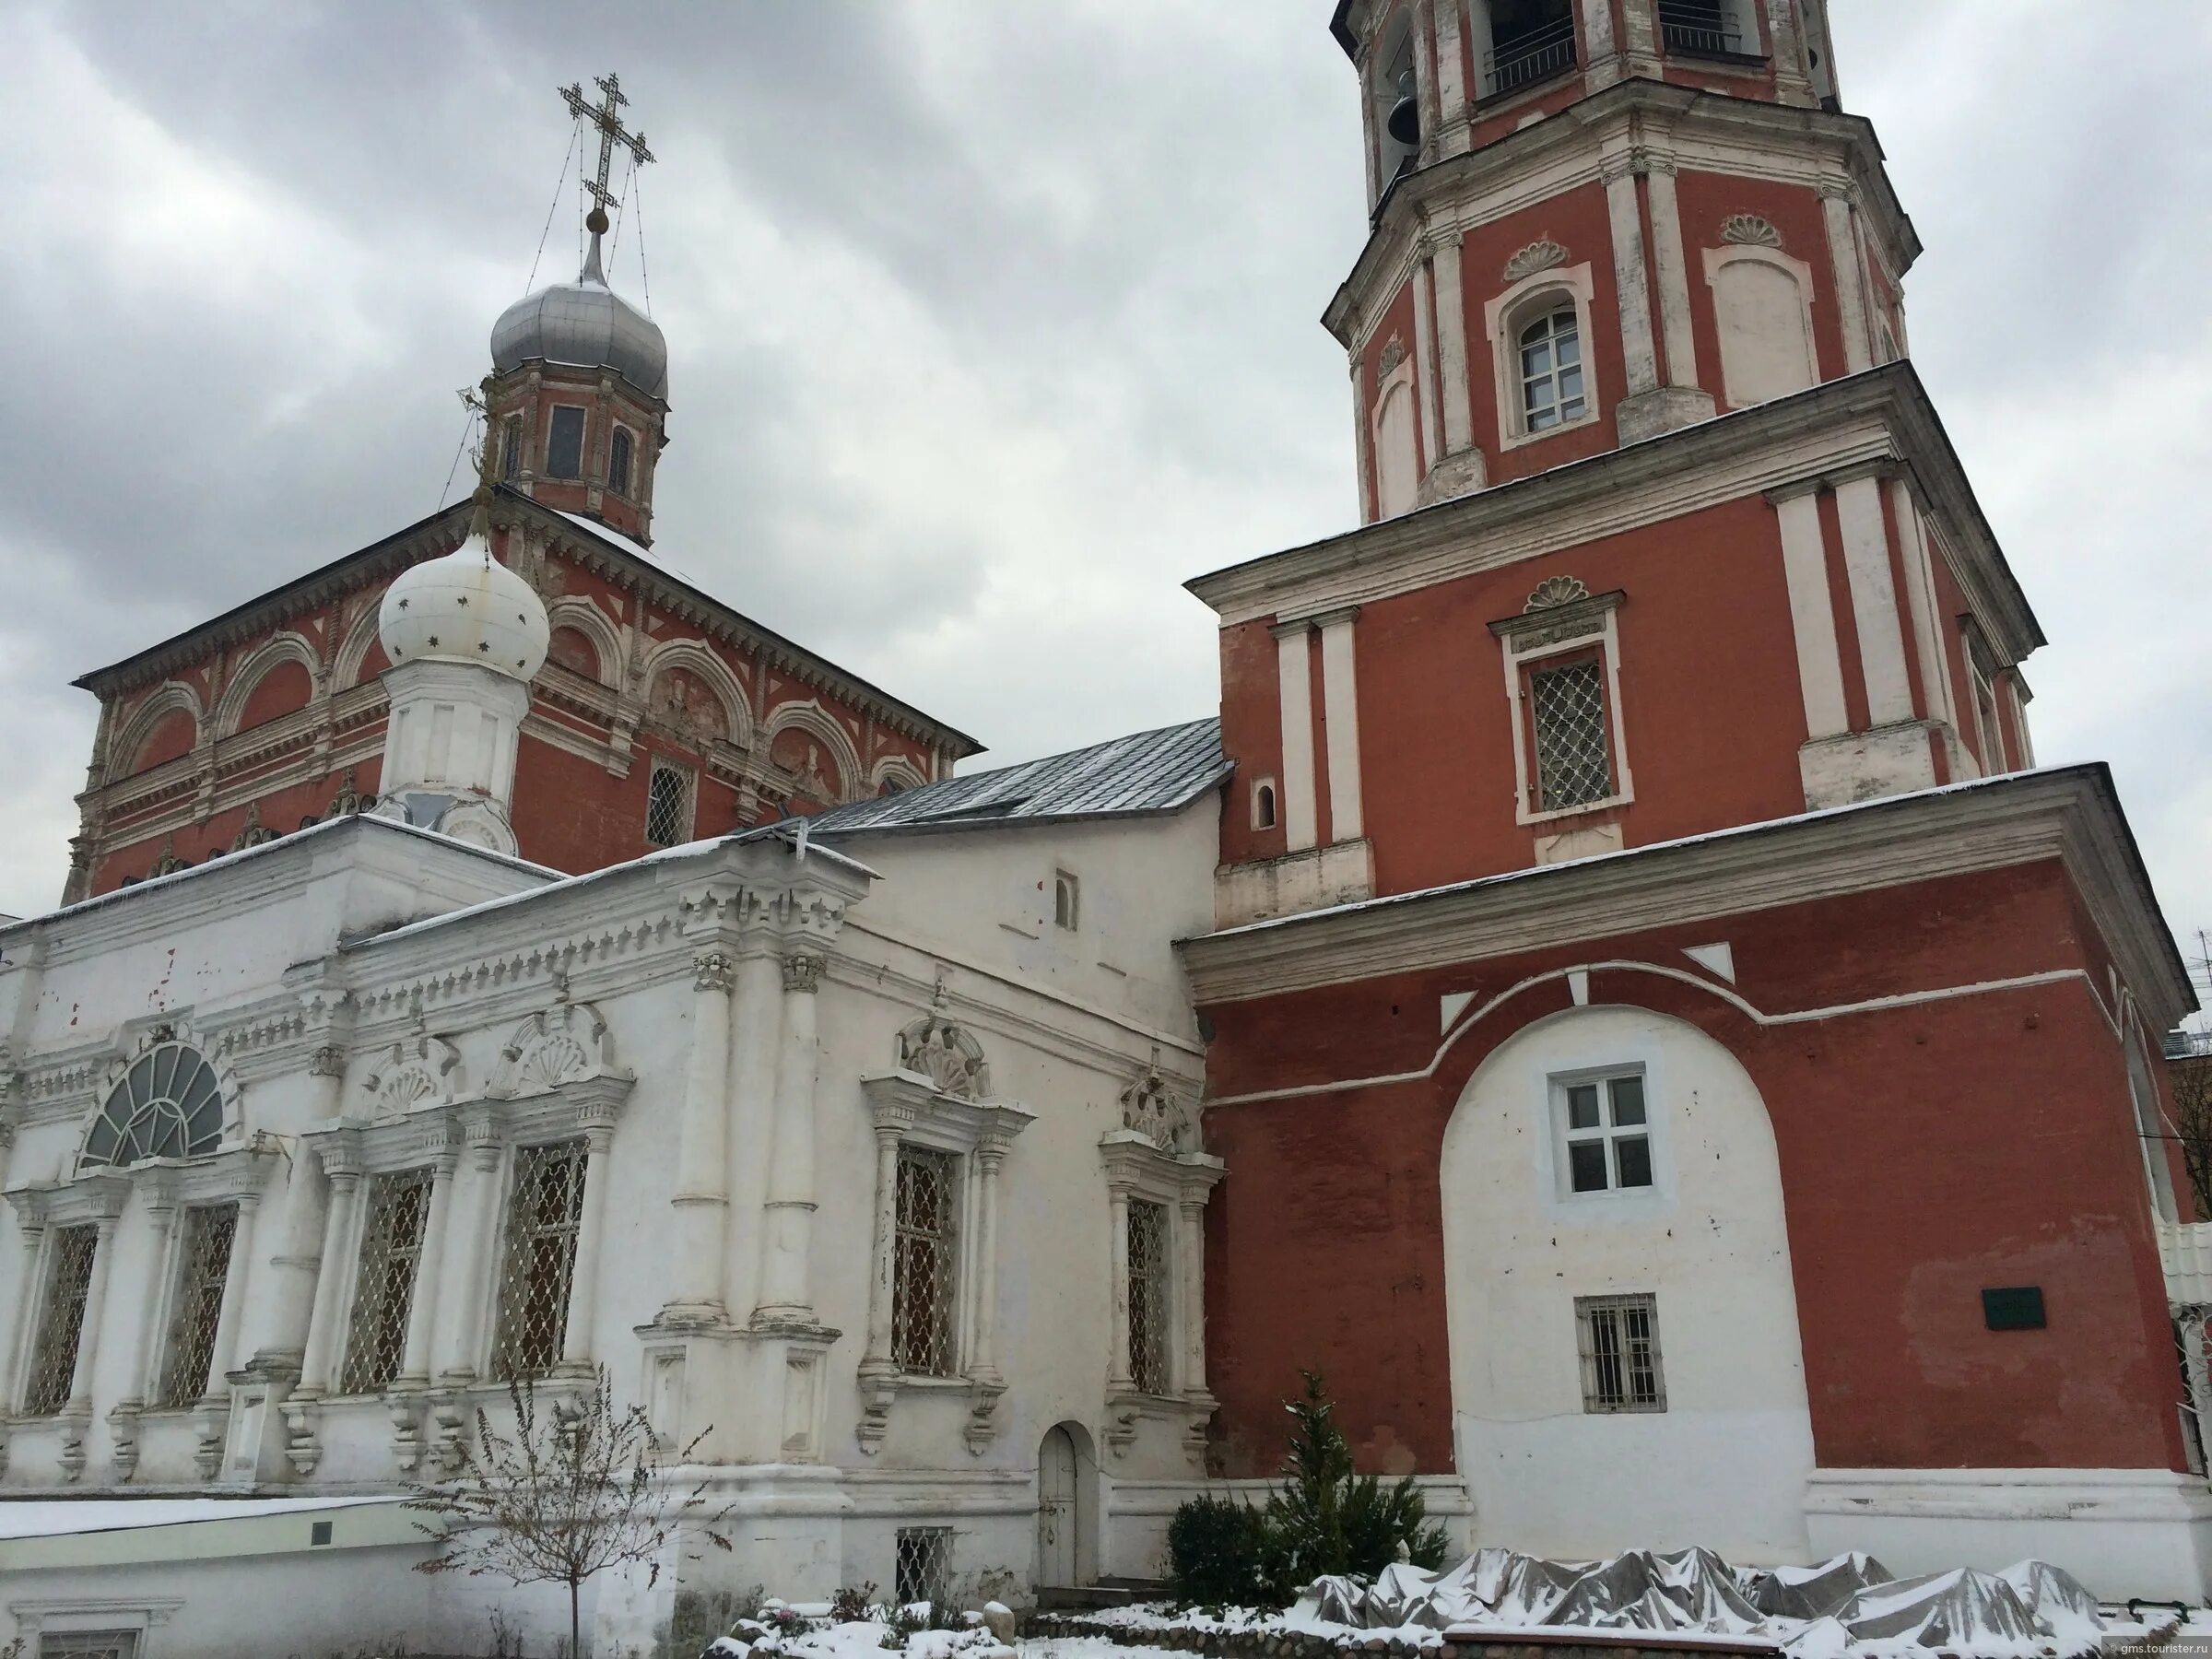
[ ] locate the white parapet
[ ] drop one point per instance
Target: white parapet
(2186, 1252)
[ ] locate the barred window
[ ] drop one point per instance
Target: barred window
(61, 1320)
(1618, 1338)
(923, 1570)
(543, 1213)
(1574, 751)
(617, 461)
(383, 1284)
(1148, 1297)
(170, 1104)
(924, 1263)
(668, 806)
(89, 1644)
(203, 1266)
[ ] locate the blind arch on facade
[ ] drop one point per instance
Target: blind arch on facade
(168, 1104)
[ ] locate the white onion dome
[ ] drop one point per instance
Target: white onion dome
(584, 324)
(465, 608)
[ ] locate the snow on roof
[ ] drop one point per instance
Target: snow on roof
(62, 1517)
(1160, 770)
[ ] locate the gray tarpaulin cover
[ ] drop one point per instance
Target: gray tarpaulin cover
(1850, 1602)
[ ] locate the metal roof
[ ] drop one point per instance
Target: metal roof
(1153, 771)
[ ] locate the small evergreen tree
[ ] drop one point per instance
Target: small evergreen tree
(1325, 1519)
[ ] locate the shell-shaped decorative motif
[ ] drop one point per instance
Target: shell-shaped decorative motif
(1747, 230)
(1537, 256)
(1554, 591)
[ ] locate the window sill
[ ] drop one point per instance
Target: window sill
(1495, 104)
(1557, 813)
(1716, 57)
(1519, 440)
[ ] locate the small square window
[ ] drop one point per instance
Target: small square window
(1618, 1340)
(1605, 1129)
(1066, 901)
(923, 1569)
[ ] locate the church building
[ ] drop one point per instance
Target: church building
(1610, 988)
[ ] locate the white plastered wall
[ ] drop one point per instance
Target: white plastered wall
(1724, 1465)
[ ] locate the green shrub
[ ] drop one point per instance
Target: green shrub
(1217, 1553)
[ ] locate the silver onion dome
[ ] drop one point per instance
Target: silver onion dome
(584, 324)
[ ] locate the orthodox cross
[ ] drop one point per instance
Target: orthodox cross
(605, 118)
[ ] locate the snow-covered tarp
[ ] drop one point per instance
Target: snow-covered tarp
(1852, 1603)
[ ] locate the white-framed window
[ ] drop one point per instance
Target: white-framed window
(89, 1644)
(61, 1328)
(1542, 350)
(1616, 1339)
(925, 1264)
(203, 1268)
(1989, 734)
(923, 1570)
(668, 796)
(564, 442)
(168, 1104)
(1762, 310)
(383, 1283)
(1265, 812)
(1552, 389)
(1601, 1124)
(1068, 900)
(1151, 1313)
(1395, 435)
(1562, 681)
(538, 1264)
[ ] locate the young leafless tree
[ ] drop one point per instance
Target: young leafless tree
(569, 1493)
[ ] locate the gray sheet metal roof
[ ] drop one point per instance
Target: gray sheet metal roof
(1145, 772)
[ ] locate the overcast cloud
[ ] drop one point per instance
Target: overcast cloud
(989, 324)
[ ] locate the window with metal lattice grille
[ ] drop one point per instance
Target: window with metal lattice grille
(1148, 1297)
(1619, 1336)
(383, 1283)
(1574, 754)
(924, 1263)
(668, 806)
(61, 1320)
(923, 1570)
(543, 1213)
(89, 1644)
(203, 1264)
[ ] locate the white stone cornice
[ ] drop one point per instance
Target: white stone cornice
(99, 1197)
(2070, 814)
(1136, 1166)
(916, 1109)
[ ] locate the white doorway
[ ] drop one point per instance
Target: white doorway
(1063, 1555)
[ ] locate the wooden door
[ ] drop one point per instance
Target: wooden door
(1057, 1515)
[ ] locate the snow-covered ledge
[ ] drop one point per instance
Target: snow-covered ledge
(949, 1109)
(1152, 1160)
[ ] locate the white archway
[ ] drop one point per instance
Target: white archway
(263, 661)
(810, 717)
(697, 658)
(581, 615)
(1723, 1463)
(174, 697)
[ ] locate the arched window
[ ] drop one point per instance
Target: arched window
(617, 461)
(168, 1104)
(511, 448)
(1262, 806)
(1551, 370)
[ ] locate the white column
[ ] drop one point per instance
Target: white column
(1452, 346)
(590, 1230)
(1673, 272)
(317, 1361)
(1851, 294)
(1812, 615)
(96, 1307)
(1920, 602)
(279, 1316)
(1638, 350)
(473, 1227)
(225, 1357)
(430, 1270)
(1295, 680)
(1119, 1378)
(1450, 122)
(1640, 38)
(787, 1297)
(983, 1357)
(877, 1357)
(1603, 67)
(702, 1200)
(1873, 600)
(1340, 697)
(1190, 1256)
(1424, 367)
(142, 1378)
(1362, 442)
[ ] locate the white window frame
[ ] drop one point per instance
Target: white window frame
(1530, 640)
(1981, 676)
(688, 828)
(1388, 386)
(1563, 1135)
(1536, 295)
(1587, 1311)
(1718, 260)
(1068, 900)
(1272, 792)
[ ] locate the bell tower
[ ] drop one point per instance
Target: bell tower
(578, 394)
(1594, 221)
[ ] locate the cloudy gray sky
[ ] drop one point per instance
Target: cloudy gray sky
(990, 323)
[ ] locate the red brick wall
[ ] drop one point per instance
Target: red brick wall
(1926, 1152)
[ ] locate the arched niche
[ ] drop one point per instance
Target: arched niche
(1723, 1463)
(689, 687)
(164, 726)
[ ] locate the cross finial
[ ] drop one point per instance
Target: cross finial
(606, 116)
